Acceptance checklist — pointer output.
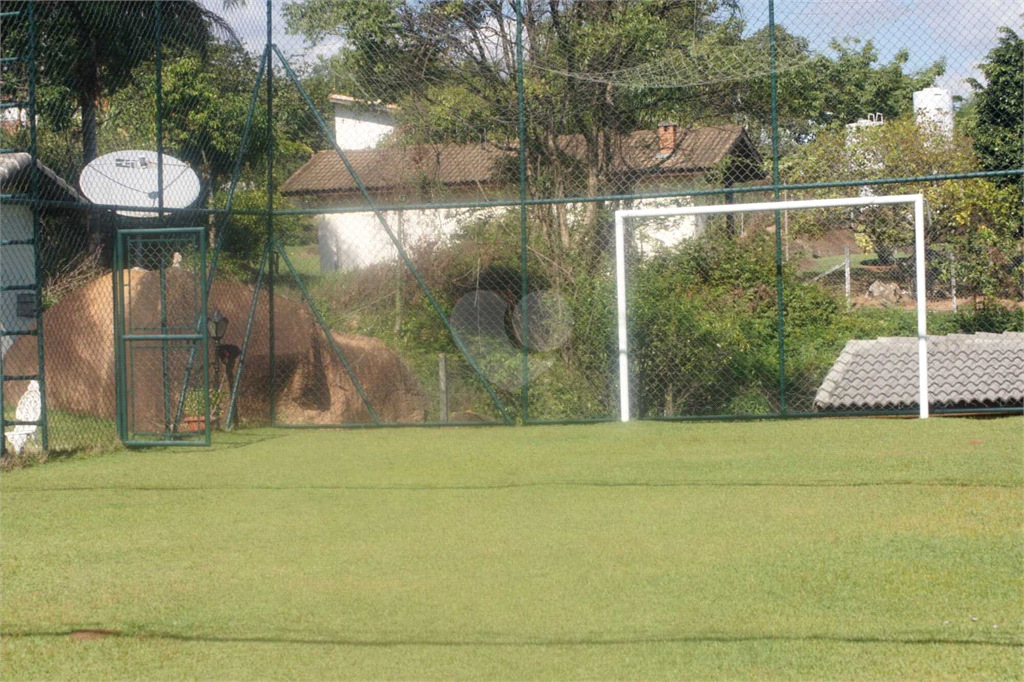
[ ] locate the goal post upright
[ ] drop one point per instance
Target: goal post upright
(917, 200)
(922, 293)
(620, 295)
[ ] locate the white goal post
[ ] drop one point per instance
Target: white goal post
(620, 269)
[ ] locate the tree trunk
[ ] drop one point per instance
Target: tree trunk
(88, 98)
(886, 255)
(90, 148)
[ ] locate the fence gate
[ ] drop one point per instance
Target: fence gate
(161, 359)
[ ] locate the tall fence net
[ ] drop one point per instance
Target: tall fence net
(409, 206)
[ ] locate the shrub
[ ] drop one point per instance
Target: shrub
(247, 234)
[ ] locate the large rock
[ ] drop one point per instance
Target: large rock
(312, 387)
(886, 292)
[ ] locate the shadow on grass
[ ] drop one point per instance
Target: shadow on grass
(514, 641)
(514, 486)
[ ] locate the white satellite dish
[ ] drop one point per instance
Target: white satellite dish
(129, 178)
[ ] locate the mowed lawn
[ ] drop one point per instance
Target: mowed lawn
(817, 549)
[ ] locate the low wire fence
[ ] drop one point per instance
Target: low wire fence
(410, 206)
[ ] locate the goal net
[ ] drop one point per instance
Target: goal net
(721, 312)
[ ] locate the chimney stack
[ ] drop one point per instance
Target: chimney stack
(666, 138)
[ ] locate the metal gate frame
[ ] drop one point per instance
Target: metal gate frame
(123, 365)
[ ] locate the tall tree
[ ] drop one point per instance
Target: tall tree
(88, 50)
(997, 105)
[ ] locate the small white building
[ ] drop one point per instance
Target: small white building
(447, 173)
(358, 125)
(17, 261)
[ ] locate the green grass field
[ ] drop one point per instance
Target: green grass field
(817, 549)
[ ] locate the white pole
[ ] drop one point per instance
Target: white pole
(922, 319)
(952, 273)
(620, 288)
(846, 270)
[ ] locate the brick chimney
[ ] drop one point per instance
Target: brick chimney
(667, 138)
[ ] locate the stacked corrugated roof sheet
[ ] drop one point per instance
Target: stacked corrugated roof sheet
(964, 370)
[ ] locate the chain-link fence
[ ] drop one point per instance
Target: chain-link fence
(409, 207)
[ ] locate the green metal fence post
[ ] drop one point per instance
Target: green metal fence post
(44, 416)
(205, 343)
(524, 322)
(159, 115)
(168, 420)
(781, 314)
(117, 276)
(270, 213)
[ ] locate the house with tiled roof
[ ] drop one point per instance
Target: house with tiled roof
(406, 178)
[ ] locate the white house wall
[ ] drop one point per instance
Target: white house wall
(350, 241)
(359, 131)
(656, 234)
(16, 267)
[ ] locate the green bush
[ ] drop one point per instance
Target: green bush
(246, 235)
(703, 321)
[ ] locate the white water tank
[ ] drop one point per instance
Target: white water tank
(934, 107)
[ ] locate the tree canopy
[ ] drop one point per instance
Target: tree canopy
(87, 51)
(999, 125)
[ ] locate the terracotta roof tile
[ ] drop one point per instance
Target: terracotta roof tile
(393, 167)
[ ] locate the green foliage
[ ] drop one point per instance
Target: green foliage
(247, 234)
(853, 84)
(974, 224)
(702, 325)
(195, 403)
(205, 105)
(988, 316)
(826, 89)
(206, 100)
(975, 236)
(999, 127)
(89, 50)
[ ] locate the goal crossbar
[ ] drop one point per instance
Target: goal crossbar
(917, 200)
